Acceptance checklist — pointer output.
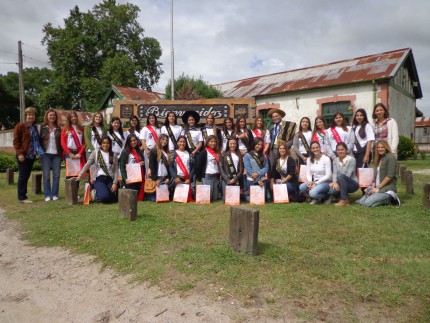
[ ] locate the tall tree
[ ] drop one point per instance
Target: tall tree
(190, 88)
(98, 48)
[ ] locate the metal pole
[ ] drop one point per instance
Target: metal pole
(21, 83)
(172, 55)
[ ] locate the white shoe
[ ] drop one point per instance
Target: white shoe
(47, 199)
(55, 198)
(27, 201)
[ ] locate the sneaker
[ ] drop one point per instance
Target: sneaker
(47, 199)
(55, 198)
(314, 201)
(329, 200)
(342, 203)
(27, 201)
(93, 195)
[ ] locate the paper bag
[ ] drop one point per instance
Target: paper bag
(256, 194)
(181, 193)
(203, 194)
(232, 195)
(162, 194)
(303, 174)
(87, 193)
(280, 193)
(365, 176)
(73, 167)
(134, 173)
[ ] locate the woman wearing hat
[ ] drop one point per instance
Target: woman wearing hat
(27, 146)
(192, 133)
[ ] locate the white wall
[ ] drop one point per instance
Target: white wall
(402, 109)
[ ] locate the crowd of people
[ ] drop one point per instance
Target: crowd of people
(233, 155)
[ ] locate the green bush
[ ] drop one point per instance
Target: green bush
(406, 148)
(9, 161)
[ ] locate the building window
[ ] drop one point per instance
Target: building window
(329, 109)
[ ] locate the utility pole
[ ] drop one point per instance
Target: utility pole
(172, 59)
(21, 83)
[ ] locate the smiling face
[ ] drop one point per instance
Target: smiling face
(210, 120)
(381, 149)
(98, 119)
(260, 123)
(191, 121)
(152, 120)
(282, 151)
(74, 118)
(212, 143)
(172, 118)
(181, 144)
(163, 141)
(259, 146)
(305, 124)
(380, 112)
(115, 125)
(359, 117)
(229, 124)
(316, 149)
(133, 142)
(242, 123)
(30, 117)
(338, 119)
(52, 117)
(134, 122)
(105, 145)
(276, 117)
(319, 124)
(341, 152)
(232, 145)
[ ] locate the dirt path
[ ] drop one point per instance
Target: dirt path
(54, 285)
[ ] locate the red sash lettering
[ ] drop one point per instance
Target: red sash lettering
(154, 133)
(335, 135)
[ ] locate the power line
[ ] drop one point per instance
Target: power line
(33, 47)
(7, 63)
(34, 59)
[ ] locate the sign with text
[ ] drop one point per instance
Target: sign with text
(219, 111)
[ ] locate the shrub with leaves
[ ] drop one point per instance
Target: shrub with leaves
(406, 148)
(9, 161)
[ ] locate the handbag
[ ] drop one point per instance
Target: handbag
(150, 186)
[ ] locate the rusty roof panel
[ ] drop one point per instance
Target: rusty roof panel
(378, 66)
(131, 93)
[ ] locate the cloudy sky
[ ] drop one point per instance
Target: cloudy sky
(227, 40)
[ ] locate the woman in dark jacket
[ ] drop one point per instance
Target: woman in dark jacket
(50, 139)
(231, 165)
(283, 171)
(159, 161)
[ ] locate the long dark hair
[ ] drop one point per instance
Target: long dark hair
(106, 137)
(224, 127)
(386, 114)
(311, 153)
(315, 124)
(166, 121)
(333, 123)
(236, 151)
(216, 149)
(128, 148)
(260, 154)
(362, 131)
(263, 131)
(138, 127)
(111, 131)
(309, 122)
(238, 124)
(159, 149)
(156, 120)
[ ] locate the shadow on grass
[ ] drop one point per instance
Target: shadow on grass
(269, 249)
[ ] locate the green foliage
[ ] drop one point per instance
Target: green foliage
(406, 148)
(9, 161)
(189, 88)
(98, 48)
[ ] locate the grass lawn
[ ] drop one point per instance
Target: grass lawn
(317, 262)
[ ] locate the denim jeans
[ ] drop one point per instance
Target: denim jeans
(213, 182)
(24, 172)
(103, 187)
(376, 199)
(51, 161)
(346, 185)
(319, 192)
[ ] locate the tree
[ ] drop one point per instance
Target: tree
(98, 48)
(189, 88)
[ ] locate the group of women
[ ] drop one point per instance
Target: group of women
(233, 155)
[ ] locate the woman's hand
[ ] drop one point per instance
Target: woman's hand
(114, 188)
(254, 176)
(21, 158)
(261, 183)
(77, 156)
(187, 181)
(167, 181)
(334, 186)
(178, 180)
(366, 159)
(77, 178)
(231, 182)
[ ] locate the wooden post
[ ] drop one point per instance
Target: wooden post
(426, 196)
(36, 183)
(402, 174)
(71, 190)
(9, 176)
(409, 182)
(244, 223)
(127, 201)
(397, 169)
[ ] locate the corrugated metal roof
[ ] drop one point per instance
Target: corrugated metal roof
(131, 93)
(422, 122)
(84, 117)
(368, 68)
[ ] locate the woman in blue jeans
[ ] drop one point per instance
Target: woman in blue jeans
(344, 176)
(50, 139)
(256, 165)
(318, 175)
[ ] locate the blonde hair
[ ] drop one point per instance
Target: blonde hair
(30, 110)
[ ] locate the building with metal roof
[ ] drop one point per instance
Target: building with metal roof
(347, 85)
